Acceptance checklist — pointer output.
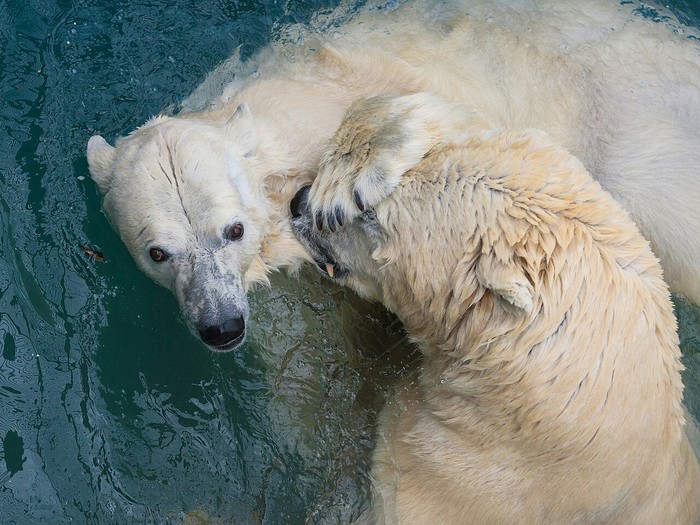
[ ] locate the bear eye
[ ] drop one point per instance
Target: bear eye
(158, 255)
(235, 232)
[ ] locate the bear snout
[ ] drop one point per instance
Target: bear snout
(225, 336)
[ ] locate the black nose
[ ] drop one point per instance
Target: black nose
(298, 204)
(228, 333)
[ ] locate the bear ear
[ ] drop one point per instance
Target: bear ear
(100, 157)
(240, 128)
(507, 280)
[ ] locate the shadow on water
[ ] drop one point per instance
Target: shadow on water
(110, 412)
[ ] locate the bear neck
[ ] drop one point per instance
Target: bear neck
(534, 378)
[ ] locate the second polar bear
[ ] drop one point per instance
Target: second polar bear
(200, 198)
(550, 388)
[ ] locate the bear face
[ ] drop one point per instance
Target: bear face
(177, 194)
(344, 256)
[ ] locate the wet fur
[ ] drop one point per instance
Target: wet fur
(619, 91)
(550, 390)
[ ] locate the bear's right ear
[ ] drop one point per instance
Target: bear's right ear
(507, 280)
(100, 157)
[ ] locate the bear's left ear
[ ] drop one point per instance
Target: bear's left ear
(507, 280)
(240, 129)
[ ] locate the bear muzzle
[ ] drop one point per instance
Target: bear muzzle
(225, 336)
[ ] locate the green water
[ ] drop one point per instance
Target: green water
(110, 412)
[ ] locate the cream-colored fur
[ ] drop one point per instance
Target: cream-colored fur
(550, 390)
(616, 89)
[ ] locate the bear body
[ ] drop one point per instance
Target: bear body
(616, 89)
(550, 388)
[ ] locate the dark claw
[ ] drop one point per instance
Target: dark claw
(330, 220)
(319, 220)
(358, 201)
(339, 215)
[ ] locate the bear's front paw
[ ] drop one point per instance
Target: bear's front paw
(341, 193)
(332, 200)
(379, 139)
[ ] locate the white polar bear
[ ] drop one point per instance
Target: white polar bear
(200, 198)
(550, 387)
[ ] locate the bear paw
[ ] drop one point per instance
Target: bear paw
(379, 140)
(342, 192)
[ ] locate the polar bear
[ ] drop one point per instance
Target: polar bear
(550, 388)
(200, 198)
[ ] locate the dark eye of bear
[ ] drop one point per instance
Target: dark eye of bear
(235, 232)
(158, 255)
